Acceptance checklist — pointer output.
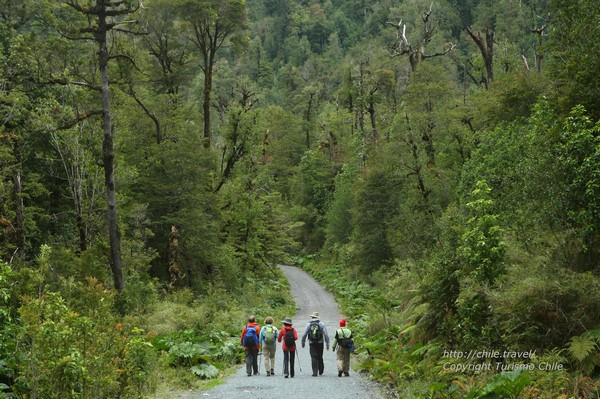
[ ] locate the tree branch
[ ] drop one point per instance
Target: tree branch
(65, 82)
(79, 118)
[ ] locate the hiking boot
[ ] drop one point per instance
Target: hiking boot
(286, 376)
(339, 373)
(346, 374)
(272, 372)
(268, 373)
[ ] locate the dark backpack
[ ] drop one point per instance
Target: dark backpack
(288, 338)
(250, 338)
(314, 331)
(343, 341)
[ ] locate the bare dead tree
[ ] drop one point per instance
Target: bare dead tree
(416, 53)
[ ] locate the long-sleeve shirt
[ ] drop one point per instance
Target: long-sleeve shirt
(323, 329)
(257, 328)
(281, 338)
(262, 338)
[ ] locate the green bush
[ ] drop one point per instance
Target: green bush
(68, 354)
(541, 307)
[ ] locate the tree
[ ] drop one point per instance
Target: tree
(240, 133)
(212, 22)
(416, 53)
(163, 39)
(486, 47)
(94, 20)
(375, 208)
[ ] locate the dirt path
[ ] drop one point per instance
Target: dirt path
(309, 297)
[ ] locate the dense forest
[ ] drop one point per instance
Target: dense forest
(435, 163)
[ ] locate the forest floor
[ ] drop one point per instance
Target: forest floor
(309, 297)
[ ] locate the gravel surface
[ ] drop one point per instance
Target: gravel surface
(309, 297)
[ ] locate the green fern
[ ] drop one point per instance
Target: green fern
(582, 346)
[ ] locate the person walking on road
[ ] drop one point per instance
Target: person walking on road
(316, 332)
(343, 343)
(249, 340)
(268, 342)
(288, 335)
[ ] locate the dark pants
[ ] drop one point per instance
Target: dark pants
(316, 357)
(288, 359)
(251, 361)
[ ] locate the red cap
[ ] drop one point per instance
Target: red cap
(343, 323)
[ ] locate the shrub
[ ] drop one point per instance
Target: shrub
(542, 308)
(67, 354)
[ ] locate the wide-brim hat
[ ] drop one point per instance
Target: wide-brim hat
(315, 315)
(287, 320)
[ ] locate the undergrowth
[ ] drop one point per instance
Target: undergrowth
(65, 340)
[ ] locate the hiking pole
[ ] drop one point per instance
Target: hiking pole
(259, 361)
(298, 358)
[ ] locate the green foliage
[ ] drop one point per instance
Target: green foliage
(205, 371)
(5, 292)
(535, 298)
(571, 45)
(506, 385)
(339, 216)
(312, 192)
(67, 354)
(580, 155)
(482, 250)
(374, 206)
(8, 327)
(580, 347)
(199, 352)
(584, 349)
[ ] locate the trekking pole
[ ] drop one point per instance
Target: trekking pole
(259, 361)
(298, 359)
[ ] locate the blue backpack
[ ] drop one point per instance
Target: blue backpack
(250, 338)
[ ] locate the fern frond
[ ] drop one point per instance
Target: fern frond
(582, 346)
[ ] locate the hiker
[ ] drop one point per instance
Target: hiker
(268, 342)
(249, 340)
(316, 332)
(345, 345)
(288, 335)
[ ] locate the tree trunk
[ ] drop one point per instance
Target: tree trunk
(206, 103)
(174, 266)
(108, 155)
(371, 111)
(487, 50)
(78, 198)
(19, 204)
(20, 219)
(308, 118)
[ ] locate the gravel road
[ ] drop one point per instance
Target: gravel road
(309, 297)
